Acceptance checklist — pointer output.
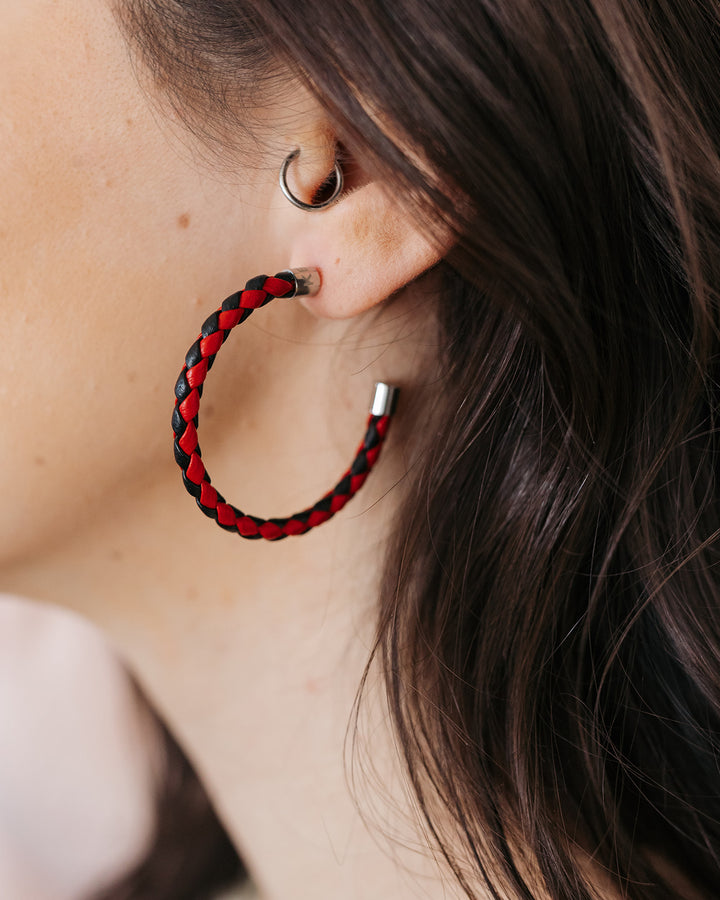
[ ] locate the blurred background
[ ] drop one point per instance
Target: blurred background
(97, 800)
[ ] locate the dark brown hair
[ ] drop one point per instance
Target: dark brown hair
(549, 626)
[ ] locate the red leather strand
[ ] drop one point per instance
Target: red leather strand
(188, 393)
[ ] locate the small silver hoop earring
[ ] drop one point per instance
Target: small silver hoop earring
(310, 207)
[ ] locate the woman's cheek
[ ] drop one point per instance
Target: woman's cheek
(113, 242)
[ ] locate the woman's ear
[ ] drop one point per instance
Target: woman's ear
(367, 246)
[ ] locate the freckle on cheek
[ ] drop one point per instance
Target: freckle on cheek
(183, 220)
(39, 461)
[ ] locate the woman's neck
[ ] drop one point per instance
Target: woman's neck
(253, 652)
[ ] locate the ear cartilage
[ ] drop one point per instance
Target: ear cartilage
(199, 359)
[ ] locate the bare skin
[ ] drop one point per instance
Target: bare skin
(116, 240)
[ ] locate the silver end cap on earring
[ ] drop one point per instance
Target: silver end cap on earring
(384, 399)
(307, 281)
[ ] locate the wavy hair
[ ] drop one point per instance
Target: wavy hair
(549, 626)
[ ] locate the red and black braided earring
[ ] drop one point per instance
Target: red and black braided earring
(198, 362)
(189, 389)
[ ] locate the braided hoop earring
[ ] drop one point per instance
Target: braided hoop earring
(189, 389)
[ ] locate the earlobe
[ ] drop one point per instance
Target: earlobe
(366, 246)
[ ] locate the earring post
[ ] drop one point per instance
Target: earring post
(307, 281)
